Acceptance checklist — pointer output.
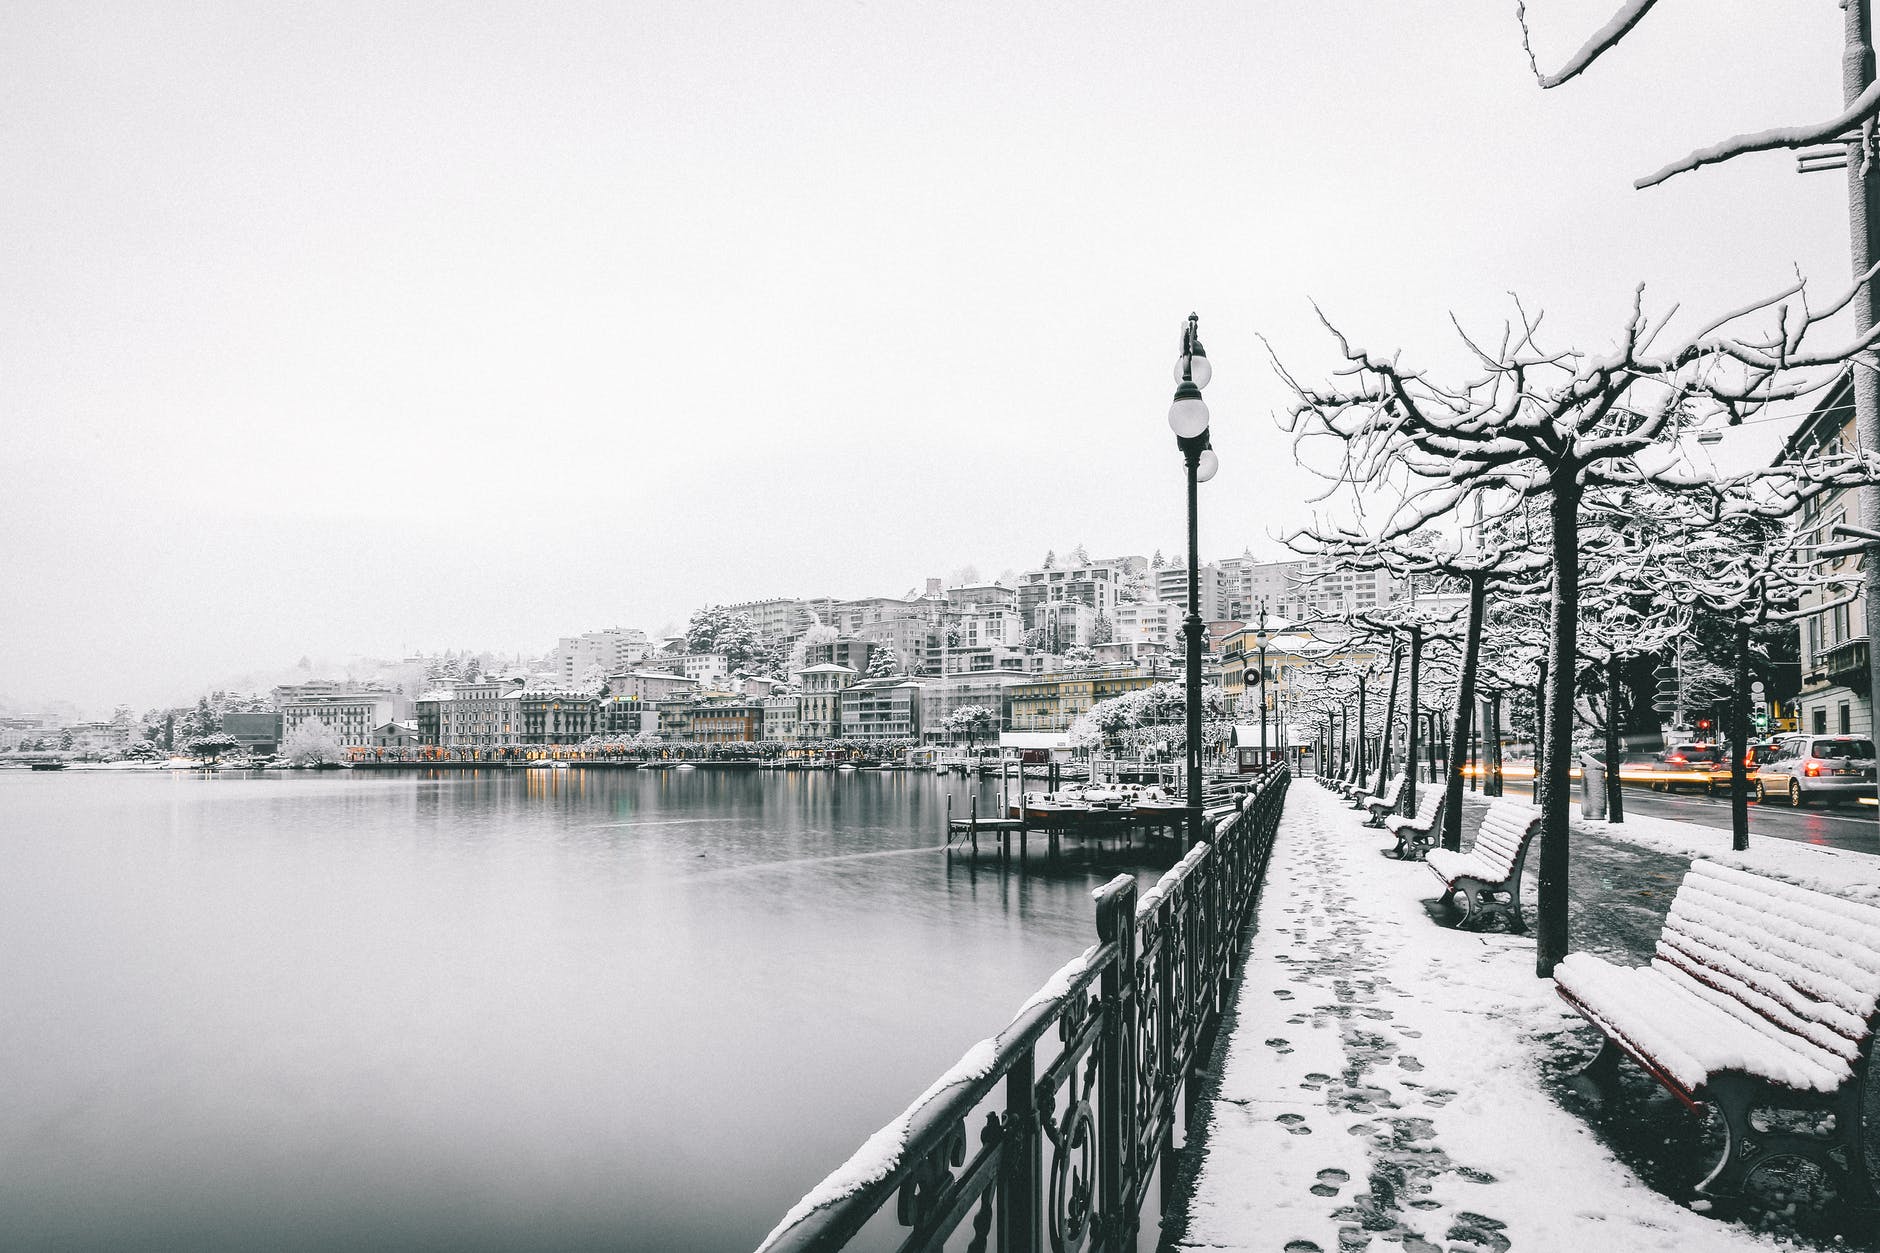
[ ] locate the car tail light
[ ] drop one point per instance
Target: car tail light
(1811, 768)
(1674, 760)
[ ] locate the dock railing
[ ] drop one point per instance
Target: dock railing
(1051, 1133)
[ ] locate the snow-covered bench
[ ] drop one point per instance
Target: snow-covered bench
(1417, 832)
(1380, 804)
(1762, 994)
(1491, 869)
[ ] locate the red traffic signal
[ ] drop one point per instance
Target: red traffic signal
(1703, 724)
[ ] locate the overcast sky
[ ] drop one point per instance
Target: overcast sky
(331, 328)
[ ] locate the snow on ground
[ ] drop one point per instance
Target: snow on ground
(1382, 1085)
(1837, 871)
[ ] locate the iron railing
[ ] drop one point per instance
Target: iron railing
(1077, 1101)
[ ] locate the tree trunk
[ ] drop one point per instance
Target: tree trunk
(1615, 795)
(1390, 713)
(1413, 722)
(1540, 727)
(1363, 726)
(1551, 939)
(1491, 747)
(1465, 710)
(1739, 744)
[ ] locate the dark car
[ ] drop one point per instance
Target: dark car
(1686, 765)
(1719, 771)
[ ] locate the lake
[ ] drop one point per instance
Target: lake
(567, 1009)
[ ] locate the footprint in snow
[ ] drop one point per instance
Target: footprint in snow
(1279, 1045)
(1329, 1182)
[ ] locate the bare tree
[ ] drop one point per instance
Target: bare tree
(1544, 426)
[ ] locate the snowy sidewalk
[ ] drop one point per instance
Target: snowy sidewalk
(1387, 1082)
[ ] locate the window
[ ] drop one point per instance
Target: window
(1846, 726)
(1820, 718)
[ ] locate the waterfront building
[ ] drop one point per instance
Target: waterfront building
(623, 717)
(98, 738)
(1834, 640)
(940, 697)
(726, 722)
(396, 735)
(822, 687)
(473, 713)
(881, 709)
(549, 718)
(781, 716)
(351, 713)
(258, 733)
(674, 721)
(616, 648)
(1053, 701)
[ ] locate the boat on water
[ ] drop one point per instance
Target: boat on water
(1085, 801)
(49, 765)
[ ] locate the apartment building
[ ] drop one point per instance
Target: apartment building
(1834, 641)
(351, 713)
(617, 648)
(881, 709)
(821, 700)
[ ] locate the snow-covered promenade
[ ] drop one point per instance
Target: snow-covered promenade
(1391, 1081)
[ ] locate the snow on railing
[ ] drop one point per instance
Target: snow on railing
(1097, 1067)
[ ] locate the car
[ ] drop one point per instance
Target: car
(1685, 765)
(1719, 770)
(1818, 768)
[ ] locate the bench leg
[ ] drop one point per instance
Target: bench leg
(1600, 1075)
(1841, 1154)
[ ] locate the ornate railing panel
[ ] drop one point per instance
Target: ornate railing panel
(1050, 1134)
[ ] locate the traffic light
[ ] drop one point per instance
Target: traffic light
(1703, 724)
(1665, 699)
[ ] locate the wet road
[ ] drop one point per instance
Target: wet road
(1836, 826)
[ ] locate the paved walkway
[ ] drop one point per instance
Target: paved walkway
(1391, 1081)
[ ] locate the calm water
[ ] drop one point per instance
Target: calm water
(526, 1009)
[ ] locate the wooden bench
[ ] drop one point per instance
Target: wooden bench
(1761, 995)
(1491, 870)
(1384, 803)
(1417, 832)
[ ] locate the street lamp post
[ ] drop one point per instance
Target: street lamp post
(1259, 639)
(1188, 418)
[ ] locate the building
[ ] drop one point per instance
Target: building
(616, 648)
(396, 735)
(476, 713)
(881, 709)
(844, 650)
(1097, 585)
(940, 697)
(549, 718)
(821, 700)
(781, 618)
(650, 687)
(257, 733)
(726, 722)
(1148, 622)
(781, 714)
(1835, 698)
(1171, 587)
(709, 670)
(96, 739)
(1053, 701)
(350, 713)
(623, 717)
(908, 637)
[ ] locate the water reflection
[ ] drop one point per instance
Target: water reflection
(483, 1009)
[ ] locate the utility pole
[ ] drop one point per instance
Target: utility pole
(1863, 201)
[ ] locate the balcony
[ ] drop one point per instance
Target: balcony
(1846, 663)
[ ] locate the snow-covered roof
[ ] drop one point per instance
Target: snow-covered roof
(1034, 739)
(828, 667)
